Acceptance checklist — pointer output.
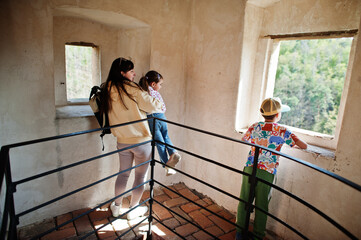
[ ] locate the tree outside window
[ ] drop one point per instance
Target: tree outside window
(82, 71)
(310, 78)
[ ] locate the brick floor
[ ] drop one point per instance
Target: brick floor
(117, 227)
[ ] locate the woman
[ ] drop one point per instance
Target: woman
(126, 102)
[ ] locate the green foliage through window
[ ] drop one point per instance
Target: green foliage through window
(310, 78)
(78, 71)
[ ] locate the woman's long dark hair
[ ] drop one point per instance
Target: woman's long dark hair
(115, 78)
(151, 76)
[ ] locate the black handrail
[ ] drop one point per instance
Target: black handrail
(255, 179)
(77, 190)
(307, 164)
(9, 211)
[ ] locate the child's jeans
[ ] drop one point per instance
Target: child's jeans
(161, 134)
(262, 199)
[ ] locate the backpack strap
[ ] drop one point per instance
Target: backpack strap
(101, 136)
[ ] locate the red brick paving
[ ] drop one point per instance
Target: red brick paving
(162, 198)
(161, 212)
(206, 220)
(64, 218)
(181, 213)
(200, 219)
(61, 234)
(189, 207)
(175, 202)
(186, 192)
(83, 224)
(170, 193)
(186, 229)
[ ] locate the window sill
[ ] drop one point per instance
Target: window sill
(73, 111)
(320, 151)
(311, 133)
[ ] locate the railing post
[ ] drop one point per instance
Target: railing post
(9, 210)
(4, 157)
(151, 183)
(252, 180)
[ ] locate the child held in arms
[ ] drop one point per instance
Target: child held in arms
(269, 134)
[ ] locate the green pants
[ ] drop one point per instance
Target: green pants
(261, 200)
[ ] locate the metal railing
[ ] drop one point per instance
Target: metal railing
(10, 218)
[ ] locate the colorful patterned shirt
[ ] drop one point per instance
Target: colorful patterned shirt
(271, 135)
(157, 95)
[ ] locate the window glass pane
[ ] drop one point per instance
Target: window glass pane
(310, 78)
(78, 71)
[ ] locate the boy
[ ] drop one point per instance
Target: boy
(268, 134)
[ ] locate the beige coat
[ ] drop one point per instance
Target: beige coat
(138, 132)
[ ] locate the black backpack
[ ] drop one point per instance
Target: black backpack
(95, 99)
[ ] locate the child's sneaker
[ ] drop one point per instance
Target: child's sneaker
(170, 171)
(117, 210)
(137, 212)
(173, 160)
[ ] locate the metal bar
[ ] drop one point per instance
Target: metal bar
(130, 229)
(19, 144)
(221, 217)
(310, 165)
(4, 160)
(333, 222)
(87, 212)
(205, 183)
(282, 222)
(197, 226)
(77, 190)
(14, 221)
(11, 187)
(239, 199)
(4, 226)
(333, 175)
(203, 158)
(244, 173)
(106, 224)
(169, 228)
(77, 163)
(151, 193)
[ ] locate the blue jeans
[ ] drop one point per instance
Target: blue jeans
(161, 134)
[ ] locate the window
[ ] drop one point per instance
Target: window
(82, 70)
(310, 78)
(308, 71)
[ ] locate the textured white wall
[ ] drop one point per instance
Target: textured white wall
(28, 101)
(198, 47)
(214, 49)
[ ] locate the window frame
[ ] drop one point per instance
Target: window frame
(96, 74)
(267, 59)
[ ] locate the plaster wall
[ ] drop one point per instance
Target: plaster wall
(70, 29)
(213, 70)
(211, 106)
(292, 16)
(253, 21)
(198, 47)
(31, 58)
(287, 17)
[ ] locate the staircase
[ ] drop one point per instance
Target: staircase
(190, 211)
